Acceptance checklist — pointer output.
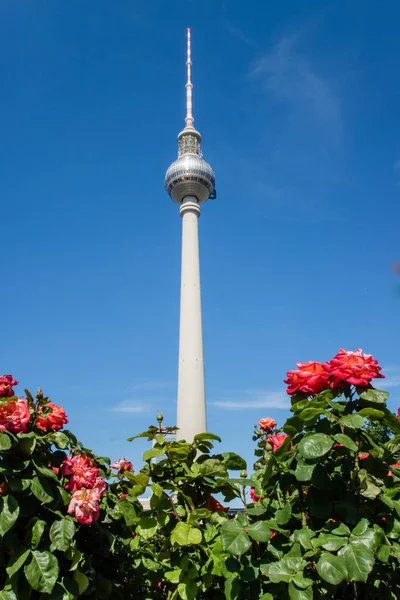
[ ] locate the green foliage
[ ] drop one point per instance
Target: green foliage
(325, 522)
(44, 552)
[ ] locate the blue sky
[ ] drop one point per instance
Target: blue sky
(298, 106)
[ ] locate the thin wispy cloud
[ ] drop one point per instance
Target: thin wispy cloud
(130, 407)
(392, 377)
(291, 78)
(145, 396)
(239, 34)
(245, 399)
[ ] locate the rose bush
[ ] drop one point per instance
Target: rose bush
(320, 513)
(63, 532)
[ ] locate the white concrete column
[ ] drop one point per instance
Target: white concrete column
(191, 417)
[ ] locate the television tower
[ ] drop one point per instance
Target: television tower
(190, 182)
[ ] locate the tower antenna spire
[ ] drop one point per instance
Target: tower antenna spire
(189, 86)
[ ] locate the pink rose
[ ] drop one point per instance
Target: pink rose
(276, 440)
(14, 416)
(52, 420)
(254, 496)
(81, 471)
(84, 504)
(122, 465)
(353, 368)
(363, 455)
(101, 486)
(6, 386)
(310, 378)
(267, 423)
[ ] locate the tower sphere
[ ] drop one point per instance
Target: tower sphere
(189, 175)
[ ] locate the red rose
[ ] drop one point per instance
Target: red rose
(353, 368)
(52, 420)
(276, 440)
(122, 465)
(6, 383)
(254, 496)
(82, 473)
(311, 378)
(84, 503)
(267, 423)
(14, 416)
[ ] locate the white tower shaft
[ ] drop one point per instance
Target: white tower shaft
(190, 181)
(191, 416)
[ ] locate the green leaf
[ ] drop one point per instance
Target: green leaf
(297, 593)
(42, 490)
(315, 445)
(372, 414)
(232, 587)
(61, 534)
(233, 461)
(331, 542)
(363, 534)
(259, 531)
(347, 442)
(308, 414)
(45, 471)
(304, 537)
(129, 512)
(7, 595)
(361, 527)
(234, 539)
(187, 590)
(354, 421)
(293, 425)
(173, 576)
(27, 442)
(304, 472)
(358, 560)
(283, 570)
(9, 511)
(283, 515)
(342, 529)
(81, 580)
(147, 527)
(17, 560)
(331, 568)
(198, 514)
(368, 489)
(60, 440)
(206, 436)
(211, 467)
(42, 571)
(5, 442)
(185, 535)
(376, 396)
(155, 452)
(76, 559)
